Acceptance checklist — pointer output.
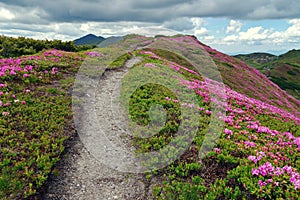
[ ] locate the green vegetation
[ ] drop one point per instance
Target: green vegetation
(284, 70)
(228, 171)
(36, 119)
(14, 47)
(256, 59)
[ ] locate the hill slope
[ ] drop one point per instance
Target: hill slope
(109, 41)
(284, 70)
(249, 81)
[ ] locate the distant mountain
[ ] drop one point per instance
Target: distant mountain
(256, 59)
(110, 40)
(284, 70)
(89, 39)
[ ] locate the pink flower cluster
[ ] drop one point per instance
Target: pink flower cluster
(217, 150)
(151, 55)
(249, 143)
(178, 67)
(190, 105)
(267, 169)
(94, 54)
(228, 131)
(258, 157)
(150, 65)
(267, 90)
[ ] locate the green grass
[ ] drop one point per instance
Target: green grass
(32, 135)
(285, 66)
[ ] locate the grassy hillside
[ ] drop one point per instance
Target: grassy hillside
(256, 59)
(256, 154)
(249, 81)
(35, 118)
(283, 70)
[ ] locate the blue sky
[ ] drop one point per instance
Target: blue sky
(230, 26)
(220, 29)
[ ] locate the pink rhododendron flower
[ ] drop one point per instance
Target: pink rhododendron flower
(228, 131)
(208, 112)
(297, 141)
(255, 172)
(252, 158)
(191, 105)
(150, 65)
(250, 144)
(201, 109)
(54, 70)
(270, 180)
(262, 183)
(94, 54)
(217, 150)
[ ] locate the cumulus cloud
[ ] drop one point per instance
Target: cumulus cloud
(201, 31)
(234, 26)
(5, 14)
(267, 39)
(267, 35)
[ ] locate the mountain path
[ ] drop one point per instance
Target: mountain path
(80, 175)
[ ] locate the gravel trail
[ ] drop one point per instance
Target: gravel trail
(80, 175)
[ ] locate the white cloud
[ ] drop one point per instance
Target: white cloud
(231, 38)
(198, 21)
(71, 31)
(263, 39)
(209, 37)
(254, 33)
(294, 30)
(234, 26)
(200, 31)
(6, 14)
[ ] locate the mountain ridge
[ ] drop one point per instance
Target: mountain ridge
(89, 39)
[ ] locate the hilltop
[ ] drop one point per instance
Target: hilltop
(284, 70)
(228, 132)
(89, 39)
